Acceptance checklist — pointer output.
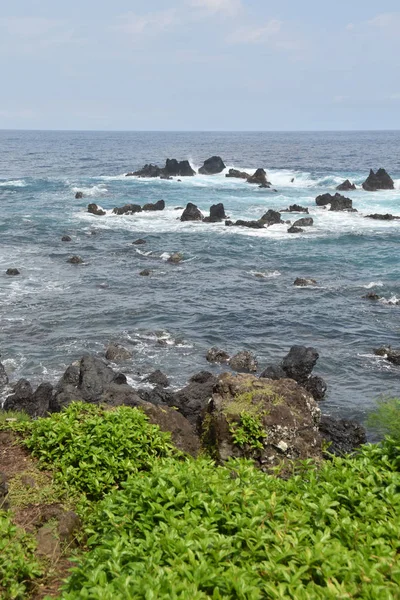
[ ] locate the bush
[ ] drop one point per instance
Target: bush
(191, 530)
(18, 566)
(386, 421)
(93, 449)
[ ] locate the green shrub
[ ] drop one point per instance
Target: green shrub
(93, 449)
(18, 566)
(249, 431)
(386, 421)
(192, 530)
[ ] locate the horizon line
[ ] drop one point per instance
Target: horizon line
(200, 130)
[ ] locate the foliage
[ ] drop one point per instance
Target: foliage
(249, 431)
(14, 420)
(193, 530)
(93, 449)
(18, 566)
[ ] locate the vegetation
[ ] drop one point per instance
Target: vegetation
(249, 431)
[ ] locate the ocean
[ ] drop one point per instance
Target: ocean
(234, 288)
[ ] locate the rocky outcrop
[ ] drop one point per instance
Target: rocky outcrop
(182, 431)
(237, 174)
(158, 378)
(139, 242)
(191, 213)
(342, 436)
(251, 224)
(379, 217)
(268, 421)
(23, 398)
(117, 353)
(295, 208)
(12, 272)
(79, 195)
(294, 229)
(346, 186)
(216, 355)
(175, 258)
(243, 362)
(259, 177)
(337, 202)
(390, 354)
(175, 168)
(128, 209)
(372, 296)
(66, 238)
(148, 170)
(75, 260)
(145, 272)
(217, 214)
(212, 166)
(160, 205)
(93, 209)
(193, 398)
(3, 376)
(271, 217)
(304, 222)
(300, 282)
(380, 180)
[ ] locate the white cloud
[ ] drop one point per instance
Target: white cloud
(257, 35)
(150, 23)
(226, 7)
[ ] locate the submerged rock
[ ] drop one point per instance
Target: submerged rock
(75, 260)
(145, 272)
(237, 174)
(295, 208)
(259, 177)
(372, 296)
(139, 242)
(379, 217)
(175, 258)
(304, 222)
(380, 180)
(128, 209)
(342, 435)
(216, 355)
(13, 272)
(244, 361)
(117, 353)
(93, 209)
(66, 238)
(212, 166)
(300, 282)
(191, 213)
(294, 229)
(346, 186)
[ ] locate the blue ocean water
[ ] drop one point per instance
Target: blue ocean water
(235, 286)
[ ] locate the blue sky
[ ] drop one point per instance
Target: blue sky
(200, 64)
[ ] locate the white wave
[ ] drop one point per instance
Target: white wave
(96, 190)
(373, 284)
(143, 253)
(265, 274)
(13, 183)
(393, 300)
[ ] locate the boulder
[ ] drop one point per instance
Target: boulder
(300, 282)
(193, 398)
(216, 355)
(316, 386)
(182, 431)
(66, 238)
(128, 209)
(378, 181)
(244, 362)
(295, 208)
(294, 229)
(391, 355)
(75, 260)
(271, 422)
(212, 166)
(148, 170)
(346, 186)
(145, 272)
(158, 378)
(342, 203)
(274, 372)
(304, 222)
(12, 272)
(175, 258)
(191, 213)
(259, 177)
(178, 168)
(160, 205)
(299, 363)
(79, 195)
(117, 353)
(325, 199)
(35, 404)
(93, 209)
(237, 174)
(217, 214)
(139, 242)
(342, 435)
(379, 217)
(251, 224)
(271, 217)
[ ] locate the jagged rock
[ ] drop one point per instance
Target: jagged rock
(12, 272)
(217, 213)
(271, 217)
(346, 186)
(192, 399)
(117, 353)
(23, 399)
(237, 174)
(160, 205)
(139, 242)
(343, 436)
(372, 296)
(191, 213)
(182, 431)
(216, 355)
(79, 195)
(66, 238)
(304, 222)
(158, 378)
(341, 203)
(243, 362)
(252, 224)
(294, 229)
(295, 208)
(299, 363)
(300, 282)
(379, 217)
(128, 209)
(93, 209)
(378, 181)
(178, 169)
(148, 170)
(75, 260)
(325, 199)
(175, 258)
(145, 272)
(273, 372)
(392, 356)
(287, 415)
(212, 166)
(259, 177)
(316, 386)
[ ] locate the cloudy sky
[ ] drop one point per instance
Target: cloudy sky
(200, 64)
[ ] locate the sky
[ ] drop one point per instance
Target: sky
(247, 65)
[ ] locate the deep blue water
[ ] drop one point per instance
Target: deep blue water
(54, 312)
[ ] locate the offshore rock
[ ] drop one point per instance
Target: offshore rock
(380, 180)
(175, 258)
(237, 174)
(148, 170)
(13, 272)
(295, 208)
(128, 209)
(93, 209)
(175, 168)
(139, 242)
(79, 195)
(259, 177)
(75, 260)
(271, 217)
(160, 205)
(117, 353)
(66, 238)
(294, 229)
(212, 166)
(244, 362)
(300, 282)
(286, 415)
(217, 214)
(346, 186)
(380, 217)
(304, 222)
(191, 213)
(391, 355)
(158, 378)
(216, 355)
(252, 224)
(341, 203)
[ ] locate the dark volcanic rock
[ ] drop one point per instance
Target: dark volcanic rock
(160, 205)
(300, 282)
(346, 186)
(343, 436)
(175, 258)
(147, 171)
(191, 213)
(216, 355)
(392, 356)
(299, 363)
(12, 272)
(217, 214)
(243, 362)
(295, 208)
(3, 376)
(304, 222)
(341, 203)
(117, 353)
(259, 177)
(23, 399)
(378, 181)
(372, 296)
(178, 168)
(271, 217)
(294, 229)
(128, 209)
(79, 195)
(182, 431)
(212, 166)
(158, 378)
(75, 260)
(316, 386)
(93, 209)
(66, 238)
(192, 399)
(379, 217)
(273, 372)
(252, 224)
(139, 242)
(145, 272)
(237, 174)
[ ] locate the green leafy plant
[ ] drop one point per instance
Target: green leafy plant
(249, 431)
(386, 418)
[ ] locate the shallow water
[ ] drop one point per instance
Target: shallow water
(53, 312)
